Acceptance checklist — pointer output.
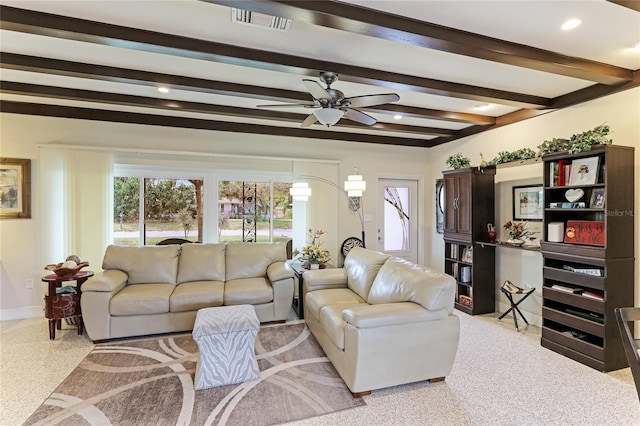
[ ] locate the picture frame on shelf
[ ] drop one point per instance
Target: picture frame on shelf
(584, 171)
(15, 188)
(528, 202)
(467, 255)
(597, 198)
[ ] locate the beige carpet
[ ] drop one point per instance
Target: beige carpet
(150, 382)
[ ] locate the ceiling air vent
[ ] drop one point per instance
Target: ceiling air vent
(261, 20)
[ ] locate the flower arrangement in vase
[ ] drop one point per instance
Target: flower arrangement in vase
(517, 232)
(314, 256)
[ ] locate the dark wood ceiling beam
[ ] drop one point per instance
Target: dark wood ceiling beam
(151, 79)
(630, 4)
(24, 89)
(399, 29)
(44, 110)
(32, 22)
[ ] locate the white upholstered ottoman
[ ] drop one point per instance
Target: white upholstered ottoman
(226, 336)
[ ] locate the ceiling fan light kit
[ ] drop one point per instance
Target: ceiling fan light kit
(328, 116)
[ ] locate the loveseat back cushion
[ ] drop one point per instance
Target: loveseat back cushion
(201, 262)
(250, 260)
(401, 281)
(362, 266)
(152, 264)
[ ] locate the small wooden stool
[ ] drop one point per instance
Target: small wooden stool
(509, 289)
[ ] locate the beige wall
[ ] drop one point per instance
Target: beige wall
(20, 240)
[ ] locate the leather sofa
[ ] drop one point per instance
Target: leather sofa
(159, 289)
(383, 321)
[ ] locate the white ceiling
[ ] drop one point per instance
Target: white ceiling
(607, 32)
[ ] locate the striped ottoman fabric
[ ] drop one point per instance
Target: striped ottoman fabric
(226, 336)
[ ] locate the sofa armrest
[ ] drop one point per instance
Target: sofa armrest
(278, 271)
(320, 279)
(111, 280)
(385, 314)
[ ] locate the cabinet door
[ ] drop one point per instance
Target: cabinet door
(450, 203)
(464, 204)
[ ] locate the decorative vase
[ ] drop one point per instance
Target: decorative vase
(314, 266)
(516, 242)
(492, 236)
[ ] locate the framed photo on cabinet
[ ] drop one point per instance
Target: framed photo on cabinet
(584, 171)
(597, 199)
(15, 188)
(528, 202)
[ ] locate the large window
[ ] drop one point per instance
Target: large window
(254, 211)
(171, 208)
(150, 209)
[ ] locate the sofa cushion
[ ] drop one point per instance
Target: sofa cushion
(316, 300)
(401, 281)
(194, 295)
(248, 291)
(250, 260)
(149, 264)
(362, 266)
(201, 262)
(141, 299)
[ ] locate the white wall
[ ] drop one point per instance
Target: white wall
(620, 111)
(21, 256)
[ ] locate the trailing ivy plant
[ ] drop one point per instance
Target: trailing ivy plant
(458, 161)
(520, 155)
(579, 142)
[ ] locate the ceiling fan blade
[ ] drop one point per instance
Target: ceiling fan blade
(360, 117)
(309, 105)
(311, 118)
(369, 100)
(316, 90)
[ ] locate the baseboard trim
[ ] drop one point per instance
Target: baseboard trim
(21, 313)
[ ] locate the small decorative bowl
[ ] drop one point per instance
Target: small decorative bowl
(65, 272)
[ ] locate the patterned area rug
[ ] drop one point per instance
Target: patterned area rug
(150, 382)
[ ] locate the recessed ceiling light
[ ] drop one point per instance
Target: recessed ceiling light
(163, 90)
(397, 117)
(483, 107)
(571, 24)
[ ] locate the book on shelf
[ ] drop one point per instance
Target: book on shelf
(593, 295)
(598, 272)
(559, 172)
(565, 289)
(454, 251)
(591, 316)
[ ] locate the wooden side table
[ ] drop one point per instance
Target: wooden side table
(60, 306)
(298, 270)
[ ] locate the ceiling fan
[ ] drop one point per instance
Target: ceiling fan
(331, 105)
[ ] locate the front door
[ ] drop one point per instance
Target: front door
(397, 232)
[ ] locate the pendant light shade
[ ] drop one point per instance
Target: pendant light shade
(300, 191)
(354, 185)
(328, 116)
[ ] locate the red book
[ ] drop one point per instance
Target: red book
(561, 164)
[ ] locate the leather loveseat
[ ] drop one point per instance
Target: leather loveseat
(159, 289)
(383, 321)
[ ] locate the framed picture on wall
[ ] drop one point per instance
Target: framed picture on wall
(15, 188)
(528, 202)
